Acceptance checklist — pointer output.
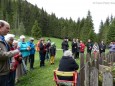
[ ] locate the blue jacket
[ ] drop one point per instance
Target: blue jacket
(23, 49)
(32, 46)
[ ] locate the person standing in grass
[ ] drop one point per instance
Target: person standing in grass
(78, 47)
(19, 69)
(82, 47)
(14, 61)
(5, 54)
(112, 49)
(25, 51)
(74, 48)
(95, 50)
(65, 44)
(32, 53)
(89, 47)
(52, 53)
(48, 45)
(42, 52)
(102, 48)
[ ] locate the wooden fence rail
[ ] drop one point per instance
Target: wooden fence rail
(89, 72)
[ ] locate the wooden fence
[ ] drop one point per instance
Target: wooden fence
(90, 70)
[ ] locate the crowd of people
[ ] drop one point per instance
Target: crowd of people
(15, 54)
(68, 63)
(79, 47)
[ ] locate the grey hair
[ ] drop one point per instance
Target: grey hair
(31, 38)
(9, 36)
(22, 36)
(15, 41)
(68, 53)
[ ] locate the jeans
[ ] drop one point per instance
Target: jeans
(24, 66)
(47, 55)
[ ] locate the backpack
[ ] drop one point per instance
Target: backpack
(37, 46)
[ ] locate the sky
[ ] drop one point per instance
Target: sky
(100, 9)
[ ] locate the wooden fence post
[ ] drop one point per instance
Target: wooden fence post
(108, 59)
(111, 59)
(82, 76)
(93, 76)
(113, 56)
(88, 57)
(95, 60)
(107, 79)
(100, 59)
(103, 58)
(87, 76)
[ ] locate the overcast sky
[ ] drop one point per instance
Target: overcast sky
(100, 9)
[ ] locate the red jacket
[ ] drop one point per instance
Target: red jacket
(14, 60)
(82, 47)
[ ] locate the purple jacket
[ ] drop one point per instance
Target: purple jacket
(112, 47)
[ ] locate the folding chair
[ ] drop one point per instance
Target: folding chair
(73, 74)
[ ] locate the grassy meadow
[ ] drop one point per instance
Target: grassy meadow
(42, 76)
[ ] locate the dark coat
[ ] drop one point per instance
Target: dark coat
(74, 47)
(67, 64)
(65, 45)
(89, 47)
(102, 47)
(42, 48)
(52, 51)
(48, 46)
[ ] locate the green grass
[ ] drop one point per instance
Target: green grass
(42, 76)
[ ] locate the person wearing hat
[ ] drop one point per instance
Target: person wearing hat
(52, 53)
(5, 54)
(32, 53)
(65, 45)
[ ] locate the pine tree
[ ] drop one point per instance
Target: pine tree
(100, 31)
(21, 29)
(36, 31)
(111, 32)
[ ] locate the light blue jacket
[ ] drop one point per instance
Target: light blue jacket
(23, 49)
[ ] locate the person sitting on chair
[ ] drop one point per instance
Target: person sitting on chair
(67, 64)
